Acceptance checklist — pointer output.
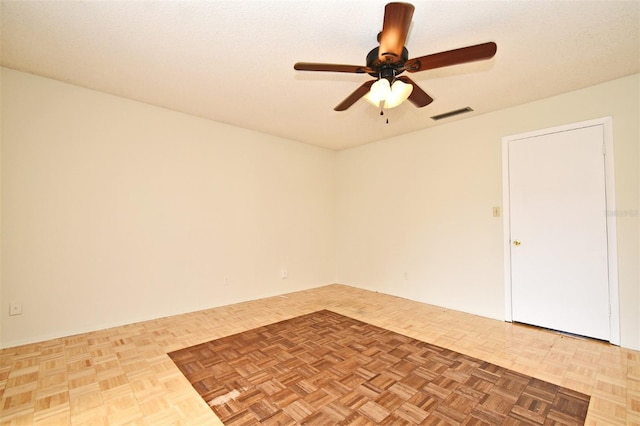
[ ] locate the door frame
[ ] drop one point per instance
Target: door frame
(612, 236)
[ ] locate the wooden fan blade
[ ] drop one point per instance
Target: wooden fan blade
(309, 66)
(397, 19)
(357, 94)
(418, 96)
(452, 57)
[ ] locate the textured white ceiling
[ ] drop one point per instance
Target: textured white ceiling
(232, 61)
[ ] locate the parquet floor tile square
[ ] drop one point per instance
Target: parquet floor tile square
(123, 375)
(362, 374)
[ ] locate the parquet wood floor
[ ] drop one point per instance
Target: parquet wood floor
(123, 375)
(328, 369)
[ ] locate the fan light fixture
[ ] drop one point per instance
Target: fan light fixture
(385, 95)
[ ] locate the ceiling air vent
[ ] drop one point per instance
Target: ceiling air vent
(451, 113)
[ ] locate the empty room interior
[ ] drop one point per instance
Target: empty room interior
(170, 181)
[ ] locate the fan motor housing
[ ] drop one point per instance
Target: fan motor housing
(387, 69)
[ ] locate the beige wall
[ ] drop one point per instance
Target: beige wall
(421, 204)
(115, 211)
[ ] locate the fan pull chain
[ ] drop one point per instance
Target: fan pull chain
(382, 112)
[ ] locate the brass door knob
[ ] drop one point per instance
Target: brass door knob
(517, 242)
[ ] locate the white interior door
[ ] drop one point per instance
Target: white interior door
(558, 231)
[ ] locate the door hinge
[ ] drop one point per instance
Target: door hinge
(604, 149)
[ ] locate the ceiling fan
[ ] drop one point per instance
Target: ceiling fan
(390, 59)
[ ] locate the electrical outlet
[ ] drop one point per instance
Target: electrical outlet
(15, 308)
(226, 280)
(284, 274)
